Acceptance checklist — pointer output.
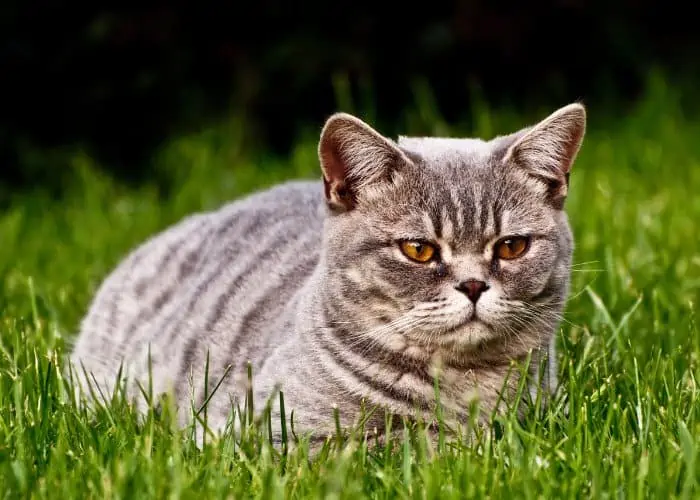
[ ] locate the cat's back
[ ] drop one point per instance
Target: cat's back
(216, 281)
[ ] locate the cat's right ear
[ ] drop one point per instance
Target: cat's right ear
(547, 151)
(353, 157)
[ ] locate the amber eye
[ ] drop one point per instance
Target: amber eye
(417, 250)
(511, 247)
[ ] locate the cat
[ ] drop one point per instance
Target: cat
(408, 260)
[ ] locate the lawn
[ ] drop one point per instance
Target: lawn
(630, 345)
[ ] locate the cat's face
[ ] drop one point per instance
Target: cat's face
(453, 254)
(454, 245)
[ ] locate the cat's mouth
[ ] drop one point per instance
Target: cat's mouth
(471, 319)
(465, 335)
(471, 315)
(463, 329)
(461, 325)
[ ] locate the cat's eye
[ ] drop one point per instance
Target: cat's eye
(511, 247)
(418, 250)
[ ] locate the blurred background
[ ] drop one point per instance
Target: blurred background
(116, 82)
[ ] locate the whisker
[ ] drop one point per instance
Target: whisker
(371, 338)
(585, 263)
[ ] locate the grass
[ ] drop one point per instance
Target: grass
(630, 345)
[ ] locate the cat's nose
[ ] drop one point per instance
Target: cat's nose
(472, 289)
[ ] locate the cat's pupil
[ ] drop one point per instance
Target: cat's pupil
(419, 248)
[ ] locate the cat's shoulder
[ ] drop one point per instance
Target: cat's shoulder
(293, 191)
(295, 196)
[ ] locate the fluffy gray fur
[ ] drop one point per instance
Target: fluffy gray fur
(307, 281)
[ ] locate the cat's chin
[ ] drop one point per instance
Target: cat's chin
(470, 333)
(462, 336)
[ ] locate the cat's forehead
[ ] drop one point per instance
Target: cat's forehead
(462, 163)
(447, 149)
(464, 195)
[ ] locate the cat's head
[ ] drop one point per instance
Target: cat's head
(448, 242)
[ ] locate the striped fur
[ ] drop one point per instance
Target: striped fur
(307, 281)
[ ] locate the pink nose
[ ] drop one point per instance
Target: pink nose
(472, 289)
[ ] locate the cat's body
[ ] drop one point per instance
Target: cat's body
(331, 297)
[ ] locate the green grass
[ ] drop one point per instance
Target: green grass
(630, 345)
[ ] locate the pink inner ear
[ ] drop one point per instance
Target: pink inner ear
(335, 187)
(333, 167)
(326, 187)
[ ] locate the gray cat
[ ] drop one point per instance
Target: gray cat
(427, 257)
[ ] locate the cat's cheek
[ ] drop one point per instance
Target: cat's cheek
(526, 276)
(518, 281)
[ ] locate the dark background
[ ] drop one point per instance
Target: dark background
(118, 81)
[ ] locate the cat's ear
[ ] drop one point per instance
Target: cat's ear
(353, 157)
(548, 150)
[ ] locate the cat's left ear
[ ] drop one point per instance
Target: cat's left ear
(354, 158)
(548, 150)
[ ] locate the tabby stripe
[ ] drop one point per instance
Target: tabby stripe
(117, 289)
(199, 338)
(391, 264)
(190, 351)
(203, 286)
(376, 353)
(141, 286)
(222, 302)
(470, 212)
(436, 219)
(248, 269)
(388, 391)
(546, 293)
(373, 350)
(498, 215)
(185, 268)
(253, 220)
(218, 307)
(241, 342)
(271, 300)
(360, 292)
(188, 265)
